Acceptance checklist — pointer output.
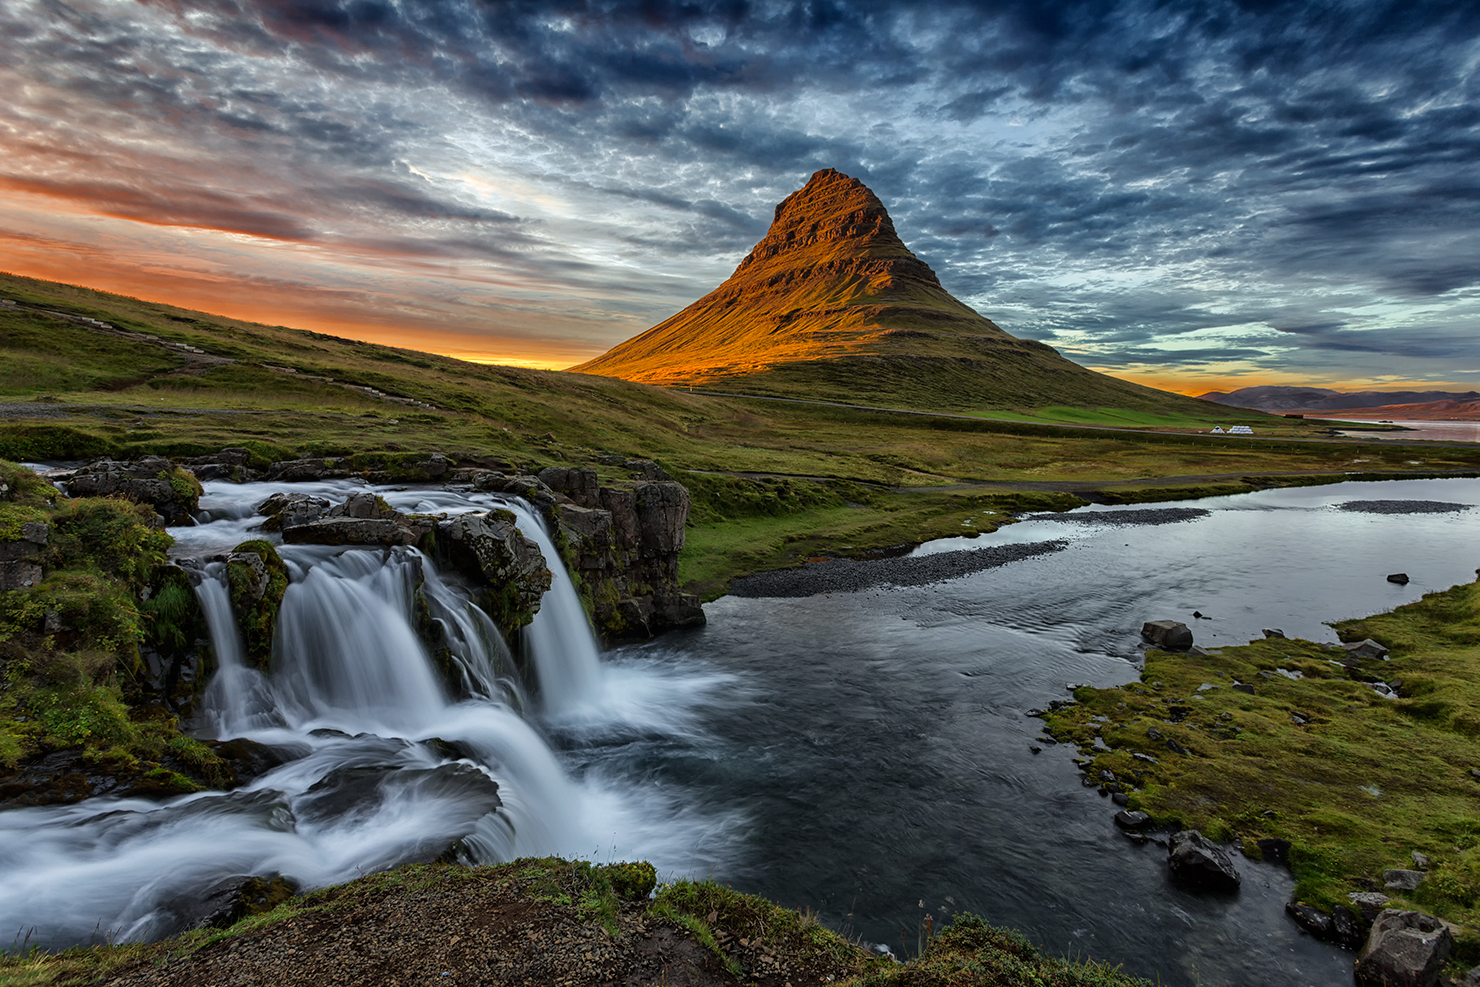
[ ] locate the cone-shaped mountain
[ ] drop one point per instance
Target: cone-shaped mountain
(832, 304)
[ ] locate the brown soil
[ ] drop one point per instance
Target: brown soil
(482, 928)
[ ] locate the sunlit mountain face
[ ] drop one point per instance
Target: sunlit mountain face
(831, 303)
(1204, 194)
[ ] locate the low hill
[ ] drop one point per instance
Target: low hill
(1421, 405)
(832, 305)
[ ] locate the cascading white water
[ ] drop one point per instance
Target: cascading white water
(385, 765)
(566, 656)
(238, 698)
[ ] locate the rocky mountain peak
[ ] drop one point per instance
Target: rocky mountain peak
(833, 218)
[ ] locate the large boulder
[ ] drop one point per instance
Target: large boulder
(288, 510)
(1197, 862)
(363, 519)
(1168, 635)
(172, 492)
(1404, 949)
(490, 549)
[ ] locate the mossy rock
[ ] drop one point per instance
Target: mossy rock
(257, 578)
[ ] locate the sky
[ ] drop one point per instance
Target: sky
(1199, 195)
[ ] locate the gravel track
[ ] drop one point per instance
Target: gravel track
(850, 575)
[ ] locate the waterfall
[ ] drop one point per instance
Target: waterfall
(395, 754)
(566, 655)
(238, 698)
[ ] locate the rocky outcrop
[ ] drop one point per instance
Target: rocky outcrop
(172, 492)
(1197, 862)
(1404, 949)
(1168, 635)
(363, 519)
(621, 541)
(228, 464)
(509, 566)
(626, 554)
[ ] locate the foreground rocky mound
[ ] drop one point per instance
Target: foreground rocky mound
(549, 922)
(833, 304)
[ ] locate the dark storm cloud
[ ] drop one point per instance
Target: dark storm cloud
(1224, 160)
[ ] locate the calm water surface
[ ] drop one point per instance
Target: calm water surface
(1436, 431)
(877, 745)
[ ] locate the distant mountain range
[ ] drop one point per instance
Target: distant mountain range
(832, 305)
(1324, 402)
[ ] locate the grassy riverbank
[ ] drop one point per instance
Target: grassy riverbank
(1305, 750)
(544, 922)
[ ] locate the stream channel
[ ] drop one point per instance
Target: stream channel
(865, 753)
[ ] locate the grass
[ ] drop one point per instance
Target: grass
(70, 665)
(753, 939)
(1356, 788)
(124, 399)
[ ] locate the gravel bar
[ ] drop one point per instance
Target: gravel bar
(1401, 507)
(1150, 515)
(850, 575)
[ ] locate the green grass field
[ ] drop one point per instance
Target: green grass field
(78, 392)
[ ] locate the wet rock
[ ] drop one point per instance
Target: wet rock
(1312, 920)
(1168, 635)
(1402, 880)
(291, 509)
(1367, 648)
(1273, 632)
(363, 519)
(248, 759)
(1404, 949)
(257, 579)
(1401, 578)
(1344, 927)
(1132, 819)
(1199, 863)
(172, 492)
(230, 900)
(492, 550)
(1275, 849)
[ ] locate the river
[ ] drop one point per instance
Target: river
(865, 754)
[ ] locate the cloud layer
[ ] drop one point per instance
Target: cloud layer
(1189, 191)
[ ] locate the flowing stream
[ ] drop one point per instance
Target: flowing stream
(862, 753)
